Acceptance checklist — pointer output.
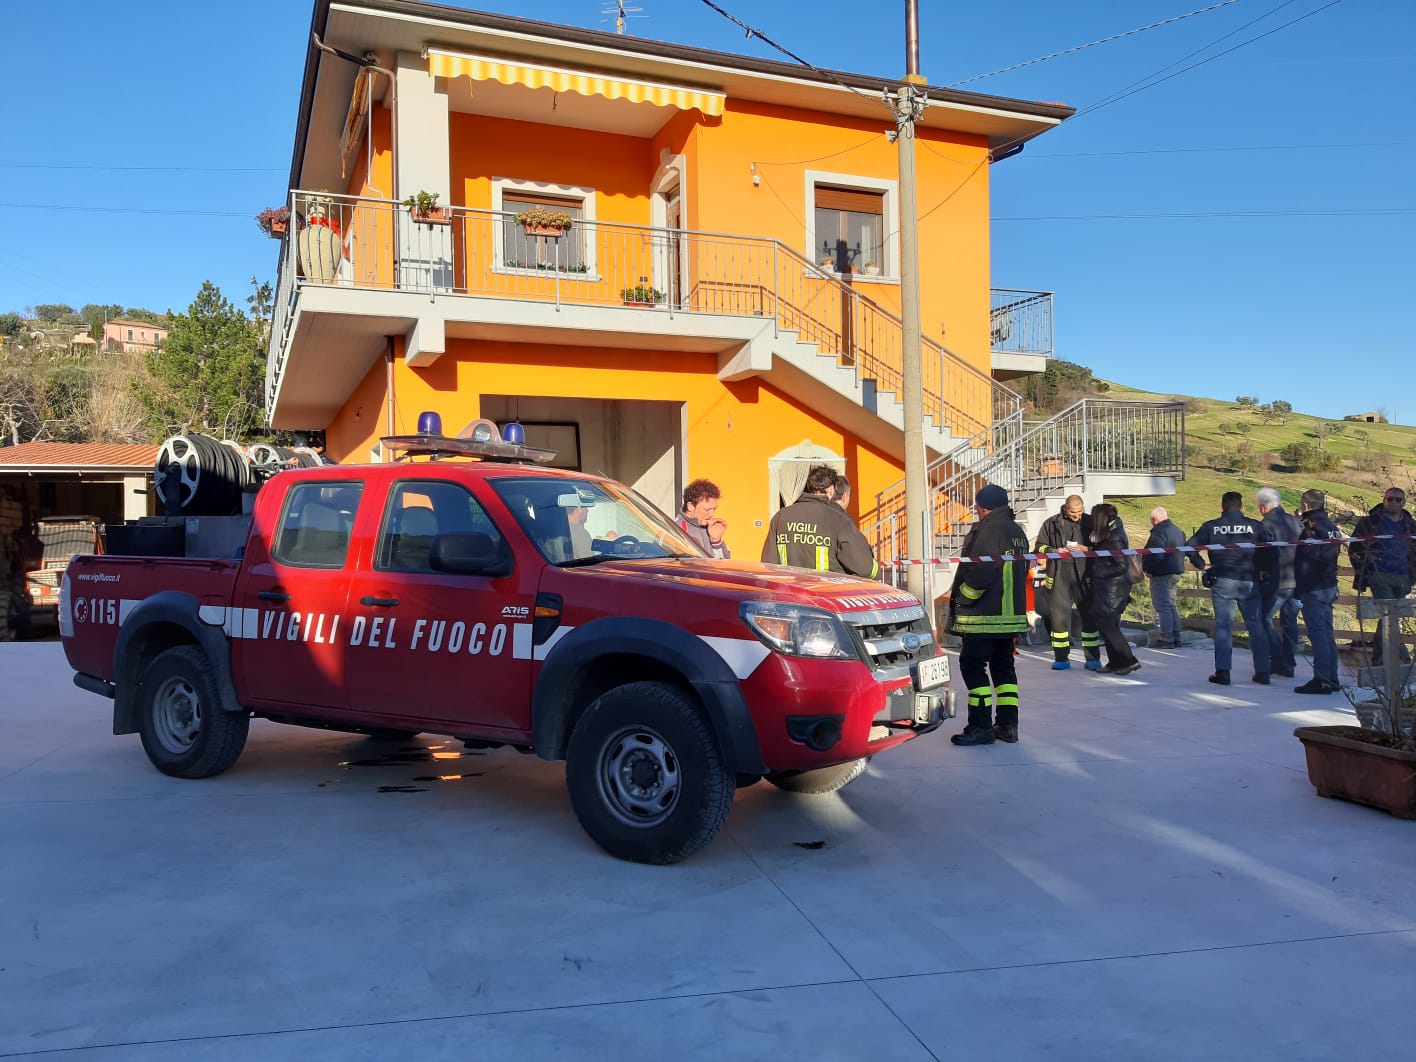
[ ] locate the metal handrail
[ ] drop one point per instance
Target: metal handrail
(483, 253)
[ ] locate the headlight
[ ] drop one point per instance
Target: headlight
(798, 631)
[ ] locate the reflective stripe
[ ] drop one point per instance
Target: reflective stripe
(980, 696)
(823, 558)
(1061, 641)
(874, 569)
(781, 553)
(1007, 694)
(970, 593)
(1091, 640)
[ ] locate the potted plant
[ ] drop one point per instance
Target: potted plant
(274, 221)
(872, 269)
(543, 221)
(320, 242)
(424, 207)
(1374, 766)
(641, 295)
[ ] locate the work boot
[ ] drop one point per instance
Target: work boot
(1006, 732)
(1262, 678)
(1093, 663)
(1220, 678)
(1061, 665)
(1282, 672)
(974, 735)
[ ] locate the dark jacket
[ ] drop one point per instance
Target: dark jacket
(1110, 585)
(1227, 528)
(1164, 534)
(814, 532)
(1055, 533)
(990, 598)
(1365, 556)
(1275, 565)
(1315, 567)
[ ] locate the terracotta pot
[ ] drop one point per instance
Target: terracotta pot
(278, 229)
(320, 253)
(435, 216)
(1348, 768)
(555, 232)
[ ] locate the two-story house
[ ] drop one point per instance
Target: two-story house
(122, 334)
(665, 262)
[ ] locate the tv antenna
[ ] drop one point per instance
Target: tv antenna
(622, 13)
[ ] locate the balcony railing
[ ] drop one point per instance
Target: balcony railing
(1020, 322)
(1092, 436)
(376, 244)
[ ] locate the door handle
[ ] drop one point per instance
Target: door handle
(382, 602)
(273, 595)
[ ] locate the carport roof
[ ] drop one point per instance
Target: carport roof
(41, 457)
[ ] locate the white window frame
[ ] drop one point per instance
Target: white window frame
(502, 185)
(890, 268)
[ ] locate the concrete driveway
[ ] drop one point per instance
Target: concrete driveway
(1147, 875)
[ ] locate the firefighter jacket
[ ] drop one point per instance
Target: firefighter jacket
(1395, 556)
(814, 532)
(1226, 529)
(1315, 567)
(990, 597)
(1056, 532)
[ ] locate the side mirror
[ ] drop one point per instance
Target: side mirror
(471, 554)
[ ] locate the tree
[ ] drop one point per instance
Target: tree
(1247, 401)
(95, 315)
(210, 373)
(137, 313)
(1281, 407)
(53, 311)
(10, 324)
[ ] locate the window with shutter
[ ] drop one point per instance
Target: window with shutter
(850, 229)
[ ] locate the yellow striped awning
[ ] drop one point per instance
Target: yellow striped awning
(509, 72)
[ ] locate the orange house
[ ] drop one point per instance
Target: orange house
(717, 293)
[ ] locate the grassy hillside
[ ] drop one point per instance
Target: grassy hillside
(1231, 447)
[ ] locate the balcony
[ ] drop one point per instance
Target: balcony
(1020, 331)
(367, 269)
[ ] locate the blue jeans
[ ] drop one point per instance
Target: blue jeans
(1162, 589)
(1317, 617)
(1283, 635)
(1226, 593)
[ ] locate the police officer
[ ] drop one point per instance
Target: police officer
(988, 609)
(1278, 602)
(1232, 579)
(1066, 584)
(1315, 581)
(814, 532)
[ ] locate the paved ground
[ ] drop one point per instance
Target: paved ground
(1147, 875)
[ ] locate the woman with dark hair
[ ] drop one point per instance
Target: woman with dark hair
(1110, 588)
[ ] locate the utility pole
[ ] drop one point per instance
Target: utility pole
(909, 105)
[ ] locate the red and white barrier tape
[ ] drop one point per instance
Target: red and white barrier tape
(1214, 548)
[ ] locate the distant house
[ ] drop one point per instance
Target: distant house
(1375, 417)
(126, 335)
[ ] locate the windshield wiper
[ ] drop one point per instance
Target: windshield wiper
(594, 558)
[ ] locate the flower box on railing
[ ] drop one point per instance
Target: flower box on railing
(432, 216)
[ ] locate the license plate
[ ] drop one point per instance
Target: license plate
(931, 673)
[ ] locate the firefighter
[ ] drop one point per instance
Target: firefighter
(1066, 585)
(814, 532)
(988, 609)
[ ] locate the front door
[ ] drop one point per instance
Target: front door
(432, 644)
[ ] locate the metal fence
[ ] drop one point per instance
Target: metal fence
(1020, 322)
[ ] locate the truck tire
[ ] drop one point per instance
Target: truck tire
(821, 780)
(645, 775)
(185, 731)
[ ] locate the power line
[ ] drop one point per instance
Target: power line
(1350, 213)
(1201, 150)
(139, 169)
(1093, 44)
(77, 207)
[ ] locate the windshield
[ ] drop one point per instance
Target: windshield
(582, 521)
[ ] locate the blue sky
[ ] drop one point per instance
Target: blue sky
(138, 151)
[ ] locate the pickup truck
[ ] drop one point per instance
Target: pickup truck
(507, 604)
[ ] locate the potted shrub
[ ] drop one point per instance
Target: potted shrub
(543, 221)
(1374, 766)
(872, 269)
(424, 207)
(641, 295)
(274, 221)
(320, 242)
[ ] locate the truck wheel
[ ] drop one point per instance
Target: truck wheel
(645, 776)
(185, 731)
(821, 780)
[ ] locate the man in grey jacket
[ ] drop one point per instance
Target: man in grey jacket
(1164, 570)
(1276, 586)
(700, 520)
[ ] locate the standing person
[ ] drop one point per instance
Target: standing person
(1315, 583)
(988, 610)
(1163, 570)
(841, 493)
(1065, 583)
(813, 532)
(700, 519)
(1276, 597)
(1110, 588)
(1230, 575)
(1387, 567)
